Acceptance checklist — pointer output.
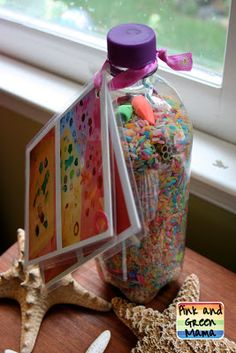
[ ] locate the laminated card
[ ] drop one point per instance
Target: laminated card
(125, 210)
(68, 188)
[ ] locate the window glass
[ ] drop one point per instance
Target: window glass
(199, 26)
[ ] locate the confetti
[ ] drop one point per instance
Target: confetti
(160, 157)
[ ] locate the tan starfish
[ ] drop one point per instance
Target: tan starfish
(156, 331)
(26, 286)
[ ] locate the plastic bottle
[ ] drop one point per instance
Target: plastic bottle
(157, 138)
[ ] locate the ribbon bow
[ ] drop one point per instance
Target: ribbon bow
(179, 62)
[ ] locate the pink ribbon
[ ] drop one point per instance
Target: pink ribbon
(179, 62)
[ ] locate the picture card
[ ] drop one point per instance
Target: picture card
(42, 195)
(125, 211)
(68, 186)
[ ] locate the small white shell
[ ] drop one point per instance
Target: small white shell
(9, 351)
(100, 343)
(160, 104)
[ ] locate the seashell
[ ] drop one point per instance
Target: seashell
(100, 343)
(160, 104)
(9, 351)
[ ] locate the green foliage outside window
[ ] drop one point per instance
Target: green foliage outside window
(199, 26)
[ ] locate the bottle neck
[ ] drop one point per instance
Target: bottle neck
(113, 71)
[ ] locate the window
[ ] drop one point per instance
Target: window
(68, 38)
(199, 26)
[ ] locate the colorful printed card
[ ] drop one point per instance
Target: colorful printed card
(125, 213)
(196, 321)
(41, 195)
(68, 186)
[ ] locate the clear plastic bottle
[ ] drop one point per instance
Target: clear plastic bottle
(157, 139)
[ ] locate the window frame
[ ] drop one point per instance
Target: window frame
(210, 105)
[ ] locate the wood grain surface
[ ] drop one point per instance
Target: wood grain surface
(70, 329)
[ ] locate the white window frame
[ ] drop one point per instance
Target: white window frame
(210, 104)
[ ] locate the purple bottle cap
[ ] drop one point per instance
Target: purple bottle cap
(131, 45)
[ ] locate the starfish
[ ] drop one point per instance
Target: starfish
(26, 286)
(156, 331)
